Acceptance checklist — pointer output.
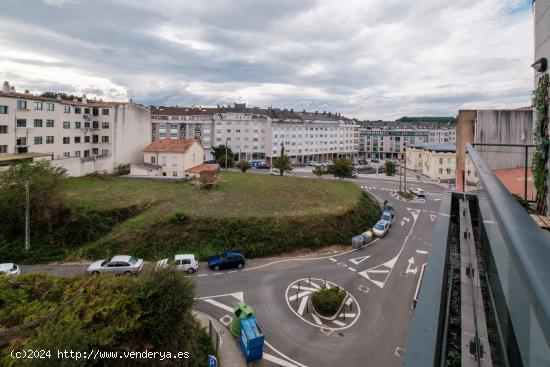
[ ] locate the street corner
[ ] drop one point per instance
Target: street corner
(298, 298)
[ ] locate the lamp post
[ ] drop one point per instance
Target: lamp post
(226, 154)
(27, 217)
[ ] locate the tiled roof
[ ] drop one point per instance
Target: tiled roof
(205, 168)
(170, 145)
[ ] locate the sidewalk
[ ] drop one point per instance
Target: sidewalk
(229, 354)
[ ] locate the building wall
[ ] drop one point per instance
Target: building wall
(131, 132)
(465, 131)
(390, 143)
(437, 166)
(175, 164)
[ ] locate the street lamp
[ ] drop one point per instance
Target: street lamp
(540, 65)
(226, 153)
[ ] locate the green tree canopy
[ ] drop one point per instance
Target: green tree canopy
(64, 96)
(319, 171)
(283, 162)
(341, 168)
(219, 151)
(389, 168)
(243, 166)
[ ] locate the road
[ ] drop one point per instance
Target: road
(381, 278)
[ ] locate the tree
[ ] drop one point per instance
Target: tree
(389, 168)
(221, 161)
(341, 168)
(46, 203)
(219, 151)
(283, 162)
(243, 166)
(319, 171)
(64, 96)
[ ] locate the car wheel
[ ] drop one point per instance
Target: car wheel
(95, 272)
(190, 271)
(240, 266)
(216, 268)
(128, 273)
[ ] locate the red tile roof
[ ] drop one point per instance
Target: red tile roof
(204, 168)
(170, 145)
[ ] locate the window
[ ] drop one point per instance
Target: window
(66, 124)
(67, 109)
(95, 151)
(3, 129)
(21, 141)
(86, 139)
(153, 160)
(174, 161)
(104, 151)
(37, 140)
(86, 124)
(104, 139)
(86, 153)
(164, 161)
(86, 110)
(37, 105)
(95, 139)
(95, 111)
(21, 105)
(77, 139)
(77, 153)
(96, 124)
(440, 170)
(448, 171)
(105, 125)
(3, 110)
(78, 110)
(21, 123)
(37, 123)
(105, 112)
(66, 140)
(49, 139)
(66, 154)
(174, 174)
(49, 123)
(49, 106)
(440, 162)
(3, 148)
(77, 125)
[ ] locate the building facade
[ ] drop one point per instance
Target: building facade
(80, 130)
(254, 133)
(172, 157)
(437, 161)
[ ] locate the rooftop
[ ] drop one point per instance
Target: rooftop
(435, 147)
(172, 145)
(205, 168)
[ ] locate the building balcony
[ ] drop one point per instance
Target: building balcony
(484, 296)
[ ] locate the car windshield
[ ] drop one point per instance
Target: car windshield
(14, 268)
(386, 217)
(379, 226)
(132, 260)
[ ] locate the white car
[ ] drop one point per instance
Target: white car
(9, 269)
(388, 217)
(121, 264)
(381, 228)
(275, 172)
(186, 262)
(417, 191)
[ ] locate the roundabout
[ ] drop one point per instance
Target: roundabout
(298, 299)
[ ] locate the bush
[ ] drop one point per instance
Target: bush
(341, 168)
(243, 166)
(389, 167)
(178, 218)
(328, 301)
(406, 195)
(122, 169)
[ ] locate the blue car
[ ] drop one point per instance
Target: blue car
(230, 259)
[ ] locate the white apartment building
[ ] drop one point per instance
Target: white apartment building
(254, 133)
(72, 131)
(445, 135)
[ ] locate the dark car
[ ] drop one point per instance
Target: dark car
(210, 161)
(230, 259)
(375, 161)
(263, 166)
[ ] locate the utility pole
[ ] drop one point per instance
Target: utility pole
(226, 154)
(400, 169)
(27, 217)
(405, 172)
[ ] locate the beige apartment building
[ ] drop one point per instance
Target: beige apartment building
(74, 132)
(254, 133)
(171, 157)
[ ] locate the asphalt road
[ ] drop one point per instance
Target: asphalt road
(382, 278)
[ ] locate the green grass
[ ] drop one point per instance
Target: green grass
(238, 195)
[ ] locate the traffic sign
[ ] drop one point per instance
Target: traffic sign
(212, 361)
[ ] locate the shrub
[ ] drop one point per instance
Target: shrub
(389, 167)
(406, 195)
(328, 301)
(243, 166)
(178, 218)
(122, 169)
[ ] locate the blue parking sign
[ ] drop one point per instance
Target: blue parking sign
(212, 361)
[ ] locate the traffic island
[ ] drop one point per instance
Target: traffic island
(406, 195)
(328, 302)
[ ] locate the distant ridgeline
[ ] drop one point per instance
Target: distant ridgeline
(427, 119)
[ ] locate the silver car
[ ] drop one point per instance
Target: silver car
(9, 269)
(121, 264)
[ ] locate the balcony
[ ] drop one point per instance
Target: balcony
(509, 255)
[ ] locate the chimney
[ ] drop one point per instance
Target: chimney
(6, 87)
(12, 89)
(26, 91)
(84, 99)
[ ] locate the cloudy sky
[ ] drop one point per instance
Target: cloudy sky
(368, 59)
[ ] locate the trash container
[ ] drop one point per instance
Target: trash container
(367, 235)
(251, 339)
(357, 241)
(242, 311)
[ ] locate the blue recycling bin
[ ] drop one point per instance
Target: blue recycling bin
(251, 339)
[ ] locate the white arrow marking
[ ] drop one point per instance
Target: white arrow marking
(404, 220)
(414, 212)
(409, 269)
(432, 217)
(359, 260)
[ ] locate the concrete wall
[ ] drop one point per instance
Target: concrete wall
(464, 134)
(131, 133)
(82, 166)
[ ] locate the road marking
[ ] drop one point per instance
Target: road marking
(300, 287)
(331, 259)
(299, 295)
(232, 271)
(432, 217)
(359, 260)
(352, 269)
(282, 355)
(344, 315)
(237, 295)
(202, 275)
(404, 220)
(379, 271)
(219, 304)
(302, 305)
(277, 360)
(348, 301)
(339, 323)
(409, 269)
(317, 320)
(218, 273)
(422, 252)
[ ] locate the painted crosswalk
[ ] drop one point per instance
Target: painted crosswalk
(391, 189)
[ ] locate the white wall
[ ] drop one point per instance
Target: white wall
(131, 133)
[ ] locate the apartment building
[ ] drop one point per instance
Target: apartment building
(388, 139)
(72, 131)
(254, 133)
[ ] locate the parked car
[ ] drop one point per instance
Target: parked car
(388, 207)
(417, 191)
(186, 262)
(328, 162)
(375, 160)
(212, 161)
(275, 172)
(9, 269)
(120, 264)
(263, 166)
(388, 217)
(354, 173)
(381, 228)
(229, 259)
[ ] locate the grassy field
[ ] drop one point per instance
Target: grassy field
(239, 195)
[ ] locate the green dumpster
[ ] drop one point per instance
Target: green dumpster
(242, 311)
